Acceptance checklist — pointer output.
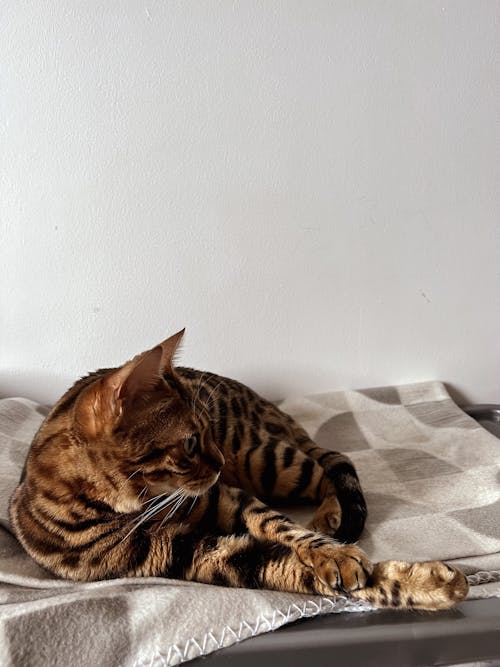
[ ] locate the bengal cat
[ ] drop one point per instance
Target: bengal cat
(151, 470)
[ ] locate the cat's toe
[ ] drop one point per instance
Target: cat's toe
(354, 567)
(430, 586)
(342, 568)
(446, 585)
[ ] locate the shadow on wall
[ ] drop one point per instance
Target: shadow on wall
(456, 395)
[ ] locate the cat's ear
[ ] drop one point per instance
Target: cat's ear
(169, 348)
(136, 376)
(100, 407)
(151, 365)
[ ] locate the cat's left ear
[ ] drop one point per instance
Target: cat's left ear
(101, 405)
(139, 375)
(145, 371)
(168, 350)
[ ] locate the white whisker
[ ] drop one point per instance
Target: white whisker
(193, 504)
(164, 502)
(163, 495)
(207, 402)
(151, 500)
(173, 510)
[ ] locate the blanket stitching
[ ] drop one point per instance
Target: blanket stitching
(483, 577)
(194, 648)
(176, 654)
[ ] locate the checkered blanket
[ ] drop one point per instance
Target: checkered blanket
(431, 476)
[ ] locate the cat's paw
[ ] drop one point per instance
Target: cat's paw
(327, 517)
(343, 568)
(430, 585)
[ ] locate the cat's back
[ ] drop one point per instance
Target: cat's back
(232, 405)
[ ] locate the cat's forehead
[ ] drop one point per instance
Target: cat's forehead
(167, 415)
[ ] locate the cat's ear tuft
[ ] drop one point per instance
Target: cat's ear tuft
(169, 348)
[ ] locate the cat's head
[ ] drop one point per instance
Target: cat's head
(141, 421)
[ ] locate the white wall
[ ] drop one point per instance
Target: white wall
(311, 188)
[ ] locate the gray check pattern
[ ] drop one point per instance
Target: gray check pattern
(431, 476)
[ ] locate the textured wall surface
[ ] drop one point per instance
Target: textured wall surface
(311, 188)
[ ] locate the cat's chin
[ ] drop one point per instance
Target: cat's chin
(200, 488)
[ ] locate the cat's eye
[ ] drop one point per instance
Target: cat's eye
(192, 445)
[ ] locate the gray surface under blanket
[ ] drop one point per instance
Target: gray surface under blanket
(431, 476)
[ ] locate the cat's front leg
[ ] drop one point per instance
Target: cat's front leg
(430, 586)
(243, 561)
(338, 566)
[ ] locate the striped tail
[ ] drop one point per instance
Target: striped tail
(340, 470)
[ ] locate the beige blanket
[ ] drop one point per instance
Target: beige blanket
(432, 481)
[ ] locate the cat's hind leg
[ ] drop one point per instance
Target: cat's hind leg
(296, 477)
(344, 491)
